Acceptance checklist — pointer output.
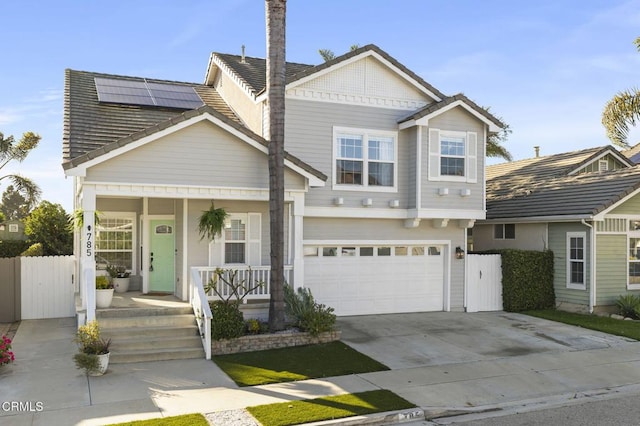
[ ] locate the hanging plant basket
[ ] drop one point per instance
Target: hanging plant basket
(211, 222)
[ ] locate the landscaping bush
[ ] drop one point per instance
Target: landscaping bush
(227, 321)
(305, 313)
(12, 248)
(527, 280)
(34, 250)
(628, 306)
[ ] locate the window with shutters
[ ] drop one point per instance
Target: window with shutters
(240, 242)
(453, 156)
(364, 159)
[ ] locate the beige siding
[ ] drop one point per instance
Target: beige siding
(630, 207)
(200, 155)
(529, 236)
(611, 270)
(456, 119)
(558, 244)
(312, 141)
(244, 106)
(361, 230)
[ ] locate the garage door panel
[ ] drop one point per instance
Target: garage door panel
(360, 285)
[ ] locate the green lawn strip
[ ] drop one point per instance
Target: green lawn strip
(184, 420)
(295, 363)
(629, 329)
(327, 408)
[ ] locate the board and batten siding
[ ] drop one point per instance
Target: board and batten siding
(355, 230)
(199, 155)
(459, 120)
(312, 141)
(558, 244)
(612, 269)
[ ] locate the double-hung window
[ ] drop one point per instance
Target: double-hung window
(240, 242)
(576, 260)
(235, 240)
(453, 156)
(365, 159)
(504, 231)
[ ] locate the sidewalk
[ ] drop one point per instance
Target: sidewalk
(44, 373)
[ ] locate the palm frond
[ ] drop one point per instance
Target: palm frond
(27, 188)
(619, 114)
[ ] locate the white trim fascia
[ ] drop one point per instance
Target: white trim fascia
(536, 219)
(424, 121)
(311, 95)
(81, 170)
(389, 213)
(610, 151)
(184, 191)
(240, 82)
(603, 213)
(341, 64)
(446, 214)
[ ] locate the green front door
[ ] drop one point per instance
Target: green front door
(162, 256)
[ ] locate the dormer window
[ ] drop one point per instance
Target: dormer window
(365, 160)
(453, 156)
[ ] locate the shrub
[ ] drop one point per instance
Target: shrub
(227, 321)
(12, 248)
(253, 326)
(628, 306)
(305, 313)
(34, 250)
(103, 282)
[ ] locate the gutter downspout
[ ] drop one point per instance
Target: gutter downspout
(592, 273)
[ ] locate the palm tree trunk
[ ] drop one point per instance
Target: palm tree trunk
(275, 16)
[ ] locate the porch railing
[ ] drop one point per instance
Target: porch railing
(201, 309)
(249, 276)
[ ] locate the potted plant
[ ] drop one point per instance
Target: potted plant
(104, 291)
(93, 351)
(120, 277)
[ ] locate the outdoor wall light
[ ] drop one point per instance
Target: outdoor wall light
(459, 253)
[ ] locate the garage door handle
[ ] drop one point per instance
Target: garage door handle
(480, 274)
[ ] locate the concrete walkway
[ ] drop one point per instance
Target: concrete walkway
(53, 392)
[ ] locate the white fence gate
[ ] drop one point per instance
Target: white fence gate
(47, 287)
(484, 282)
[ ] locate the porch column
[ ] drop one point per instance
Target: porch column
(297, 238)
(146, 253)
(87, 251)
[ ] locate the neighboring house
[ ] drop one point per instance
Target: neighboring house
(582, 205)
(383, 178)
(12, 230)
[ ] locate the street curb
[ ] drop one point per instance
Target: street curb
(384, 418)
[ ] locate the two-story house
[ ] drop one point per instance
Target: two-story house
(384, 174)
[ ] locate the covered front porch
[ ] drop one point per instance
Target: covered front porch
(156, 239)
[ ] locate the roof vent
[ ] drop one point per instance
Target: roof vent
(242, 61)
(537, 150)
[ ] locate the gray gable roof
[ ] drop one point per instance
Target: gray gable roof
(546, 187)
(92, 129)
(253, 70)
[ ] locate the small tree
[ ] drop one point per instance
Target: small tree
(14, 205)
(48, 224)
(9, 151)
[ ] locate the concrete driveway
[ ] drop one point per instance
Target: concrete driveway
(438, 338)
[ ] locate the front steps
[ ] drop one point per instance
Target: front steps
(150, 334)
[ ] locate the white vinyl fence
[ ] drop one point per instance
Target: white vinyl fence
(47, 287)
(484, 282)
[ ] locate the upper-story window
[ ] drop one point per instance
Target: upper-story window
(365, 159)
(453, 155)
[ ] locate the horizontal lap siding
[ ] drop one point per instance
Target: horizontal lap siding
(456, 119)
(200, 155)
(355, 230)
(558, 244)
(611, 268)
(312, 141)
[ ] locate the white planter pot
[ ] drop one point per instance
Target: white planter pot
(104, 364)
(121, 285)
(103, 298)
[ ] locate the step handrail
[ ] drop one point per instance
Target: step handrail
(201, 310)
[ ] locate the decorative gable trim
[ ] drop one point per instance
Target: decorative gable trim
(370, 101)
(600, 155)
(424, 121)
(216, 62)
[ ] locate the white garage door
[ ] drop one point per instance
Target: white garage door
(361, 280)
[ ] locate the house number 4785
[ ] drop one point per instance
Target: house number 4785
(89, 242)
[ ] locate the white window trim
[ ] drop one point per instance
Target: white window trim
(134, 233)
(603, 165)
(470, 153)
(630, 234)
(13, 227)
(365, 187)
(582, 235)
(252, 241)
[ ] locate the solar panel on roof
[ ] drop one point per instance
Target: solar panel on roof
(142, 92)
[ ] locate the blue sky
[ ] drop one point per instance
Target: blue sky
(546, 67)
